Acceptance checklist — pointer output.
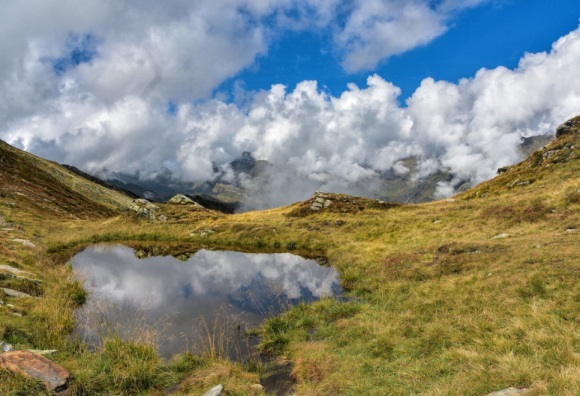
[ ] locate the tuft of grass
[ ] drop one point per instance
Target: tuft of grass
(132, 367)
(515, 214)
(14, 384)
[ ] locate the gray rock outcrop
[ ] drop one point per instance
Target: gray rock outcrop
(146, 209)
(570, 126)
(320, 201)
(181, 199)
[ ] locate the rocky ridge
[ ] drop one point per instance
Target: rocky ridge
(322, 202)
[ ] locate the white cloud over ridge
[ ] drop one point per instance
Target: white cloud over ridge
(110, 111)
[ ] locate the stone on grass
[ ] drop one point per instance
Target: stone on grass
(53, 376)
(13, 271)
(501, 236)
(24, 242)
(257, 387)
(508, 392)
(215, 391)
(181, 199)
(14, 293)
(5, 347)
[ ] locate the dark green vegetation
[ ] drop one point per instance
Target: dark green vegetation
(455, 297)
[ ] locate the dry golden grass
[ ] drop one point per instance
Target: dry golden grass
(235, 379)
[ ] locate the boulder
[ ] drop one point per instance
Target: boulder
(257, 387)
(5, 347)
(144, 208)
(570, 126)
(181, 199)
(215, 391)
(53, 376)
(321, 201)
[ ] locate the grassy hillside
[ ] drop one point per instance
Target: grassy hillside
(455, 297)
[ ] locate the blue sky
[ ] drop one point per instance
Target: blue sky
(332, 93)
(496, 33)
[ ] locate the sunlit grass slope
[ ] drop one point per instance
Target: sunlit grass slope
(455, 297)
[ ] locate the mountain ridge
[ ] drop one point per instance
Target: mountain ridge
(228, 190)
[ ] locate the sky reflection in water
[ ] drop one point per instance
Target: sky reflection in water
(174, 295)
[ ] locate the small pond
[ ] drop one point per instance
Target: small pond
(206, 303)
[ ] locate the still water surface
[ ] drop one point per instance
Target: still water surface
(206, 302)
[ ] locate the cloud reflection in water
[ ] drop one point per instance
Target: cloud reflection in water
(251, 286)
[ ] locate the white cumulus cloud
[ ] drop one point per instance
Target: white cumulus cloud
(91, 86)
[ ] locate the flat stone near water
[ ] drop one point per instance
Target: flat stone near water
(13, 271)
(53, 376)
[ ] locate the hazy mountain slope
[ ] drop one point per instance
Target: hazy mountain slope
(402, 187)
(98, 181)
(27, 181)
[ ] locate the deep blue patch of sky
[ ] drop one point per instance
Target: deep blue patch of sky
(80, 49)
(172, 108)
(496, 34)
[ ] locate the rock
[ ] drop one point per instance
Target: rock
(181, 199)
(257, 387)
(5, 347)
(507, 392)
(571, 230)
(14, 293)
(17, 274)
(568, 127)
(215, 391)
(24, 242)
(450, 200)
(502, 169)
(500, 236)
(14, 271)
(320, 201)
(53, 376)
(519, 182)
(144, 208)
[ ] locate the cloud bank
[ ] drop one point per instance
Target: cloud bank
(127, 86)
